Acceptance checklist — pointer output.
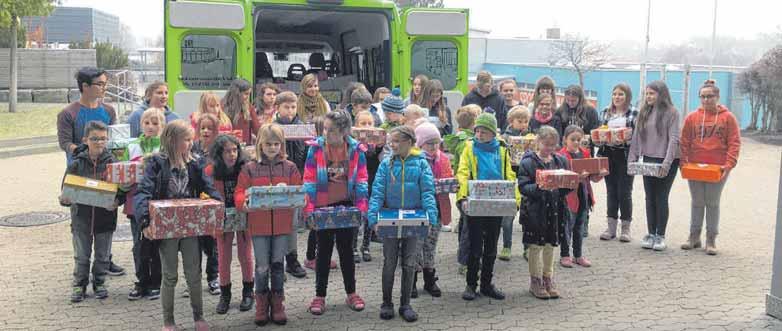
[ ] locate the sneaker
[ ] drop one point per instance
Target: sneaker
(77, 294)
(318, 306)
(566, 262)
(469, 293)
(462, 269)
(214, 287)
(408, 314)
(648, 241)
(136, 293)
(365, 255)
(153, 294)
(355, 302)
(356, 257)
(445, 228)
(294, 268)
(387, 311)
(310, 264)
(186, 293)
(659, 244)
(115, 270)
(504, 254)
(100, 291)
(492, 292)
(584, 262)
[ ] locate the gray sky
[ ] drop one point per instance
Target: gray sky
(672, 20)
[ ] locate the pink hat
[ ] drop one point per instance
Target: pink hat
(426, 132)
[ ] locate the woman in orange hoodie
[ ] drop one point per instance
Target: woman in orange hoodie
(710, 135)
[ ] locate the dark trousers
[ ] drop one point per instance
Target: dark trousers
(395, 249)
(146, 257)
(619, 186)
(208, 246)
(312, 244)
(343, 238)
(367, 235)
(657, 191)
(572, 233)
(483, 233)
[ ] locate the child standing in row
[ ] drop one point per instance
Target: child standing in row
(404, 181)
(546, 210)
(365, 120)
(518, 119)
(208, 127)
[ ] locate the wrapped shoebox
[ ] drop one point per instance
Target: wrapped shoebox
(182, 218)
(446, 185)
(490, 207)
(620, 136)
(558, 178)
(125, 173)
(400, 223)
(298, 131)
(592, 166)
(518, 145)
(273, 197)
(88, 191)
(234, 220)
(370, 136)
(702, 172)
(334, 218)
(492, 189)
(644, 169)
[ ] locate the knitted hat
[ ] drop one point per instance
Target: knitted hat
(486, 121)
(426, 132)
(393, 103)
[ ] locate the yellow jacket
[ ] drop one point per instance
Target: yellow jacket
(468, 170)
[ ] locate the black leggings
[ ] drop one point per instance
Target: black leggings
(619, 186)
(344, 243)
(657, 191)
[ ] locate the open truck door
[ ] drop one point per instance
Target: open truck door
(433, 42)
(207, 45)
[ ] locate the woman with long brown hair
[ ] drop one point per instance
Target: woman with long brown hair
(236, 104)
(311, 103)
(267, 92)
(432, 98)
(416, 92)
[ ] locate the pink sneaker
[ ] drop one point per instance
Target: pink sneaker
(582, 261)
(309, 264)
(201, 326)
(169, 328)
(566, 262)
(355, 302)
(318, 305)
(333, 264)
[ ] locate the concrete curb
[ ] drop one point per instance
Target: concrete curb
(28, 146)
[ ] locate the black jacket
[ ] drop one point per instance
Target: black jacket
(154, 185)
(587, 122)
(447, 127)
(555, 122)
(89, 218)
(296, 149)
(494, 101)
(543, 211)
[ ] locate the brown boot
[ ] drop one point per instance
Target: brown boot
(537, 288)
(711, 244)
(625, 236)
(610, 232)
(692, 243)
(278, 309)
(551, 288)
(261, 308)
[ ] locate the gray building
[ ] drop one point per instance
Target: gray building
(75, 24)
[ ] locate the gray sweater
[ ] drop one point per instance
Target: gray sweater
(650, 143)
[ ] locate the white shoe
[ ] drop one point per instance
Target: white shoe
(648, 241)
(659, 243)
(445, 228)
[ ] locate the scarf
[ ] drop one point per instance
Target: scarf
(310, 107)
(543, 119)
(489, 161)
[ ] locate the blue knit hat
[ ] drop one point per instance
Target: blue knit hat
(393, 103)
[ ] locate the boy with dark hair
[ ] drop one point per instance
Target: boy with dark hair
(361, 100)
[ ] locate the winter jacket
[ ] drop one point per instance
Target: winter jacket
(226, 187)
(316, 180)
(444, 128)
(543, 211)
(569, 117)
(648, 142)
(135, 118)
(373, 162)
(711, 138)
(404, 184)
(296, 149)
(468, 170)
(494, 100)
(441, 168)
(88, 218)
(250, 127)
(74, 117)
(278, 221)
(135, 151)
(454, 144)
(572, 197)
(154, 185)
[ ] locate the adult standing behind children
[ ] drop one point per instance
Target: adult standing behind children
(576, 111)
(710, 135)
(265, 105)
(508, 90)
(155, 96)
(656, 140)
(416, 92)
(311, 103)
(486, 96)
(544, 85)
(236, 104)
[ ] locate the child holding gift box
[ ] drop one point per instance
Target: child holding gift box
(484, 158)
(286, 103)
(145, 251)
(710, 135)
(518, 119)
(428, 139)
(365, 120)
(545, 210)
(91, 227)
(270, 229)
(404, 181)
(175, 174)
(312, 239)
(335, 175)
(579, 202)
(228, 161)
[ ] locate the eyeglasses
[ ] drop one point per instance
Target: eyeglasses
(98, 139)
(708, 96)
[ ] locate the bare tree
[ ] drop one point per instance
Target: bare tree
(750, 83)
(579, 53)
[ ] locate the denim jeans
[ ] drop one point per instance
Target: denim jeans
(270, 254)
(572, 234)
(393, 249)
(83, 245)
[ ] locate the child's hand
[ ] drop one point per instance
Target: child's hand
(64, 200)
(583, 175)
(603, 173)
(204, 196)
(114, 205)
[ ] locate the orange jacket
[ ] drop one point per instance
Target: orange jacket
(711, 138)
(274, 222)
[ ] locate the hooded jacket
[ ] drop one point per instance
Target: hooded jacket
(404, 183)
(543, 211)
(494, 100)
(712, 138)
(468, 170)
(88, 218)
(316, 179)
(266, 172)
(135, 151)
